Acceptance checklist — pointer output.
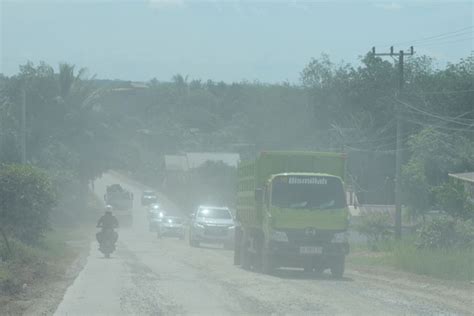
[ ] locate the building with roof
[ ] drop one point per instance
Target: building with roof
(176, 163)
(177, 167)
(467, 179)
(196, 160)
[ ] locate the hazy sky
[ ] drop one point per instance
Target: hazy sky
(269, 41)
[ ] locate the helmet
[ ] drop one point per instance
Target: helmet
(108, 208)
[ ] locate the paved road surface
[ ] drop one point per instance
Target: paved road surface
(148, 276)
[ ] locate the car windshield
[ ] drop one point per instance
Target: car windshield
(217, 213)
(308, 192)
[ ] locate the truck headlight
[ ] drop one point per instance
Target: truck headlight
(339, 238)
(277, 235)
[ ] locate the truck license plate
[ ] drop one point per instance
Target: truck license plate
(306, 250)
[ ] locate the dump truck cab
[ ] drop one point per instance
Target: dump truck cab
(305, 220)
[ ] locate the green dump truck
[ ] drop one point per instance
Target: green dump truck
(292, 212)
(122, 202)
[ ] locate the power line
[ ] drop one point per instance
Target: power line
(446, 119)
(444, 38)
(405, 148)
(440, 92)
(435, 126)
(447, 42)
(439, 36)
(445, 122)
(442, 118)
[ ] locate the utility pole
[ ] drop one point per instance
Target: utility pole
(23, 125)
(398, 152)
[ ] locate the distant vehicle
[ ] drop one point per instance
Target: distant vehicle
(212, 224)
(292, 212)
(149, 197)
(154, 219)
(122, 202)
(153, 208)
(171, 226)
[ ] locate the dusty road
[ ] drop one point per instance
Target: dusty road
(148, 276)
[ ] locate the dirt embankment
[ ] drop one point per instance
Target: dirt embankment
(34, 282)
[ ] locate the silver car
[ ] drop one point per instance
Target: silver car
(154, 208)
(211, 224)
(155, 217)
(171, 226)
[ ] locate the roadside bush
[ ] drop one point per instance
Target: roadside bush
(375, 227)
(465, 233)
(444, 233)
(27, 197)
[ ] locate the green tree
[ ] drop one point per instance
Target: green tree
(453, 198)
(434, 154)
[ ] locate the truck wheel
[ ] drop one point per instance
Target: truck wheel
(192, 242)
(237, 247)
(338, 267)
(237, 256)
(244, 255)
(245, 260)
(319, 270)
(308, 269)
(266, 263)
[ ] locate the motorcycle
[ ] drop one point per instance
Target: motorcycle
(107, 239)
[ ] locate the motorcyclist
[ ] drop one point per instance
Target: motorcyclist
(108, 222)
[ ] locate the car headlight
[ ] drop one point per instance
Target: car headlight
(340, 237)
(198, 225)
(277, 235)
(231, 227)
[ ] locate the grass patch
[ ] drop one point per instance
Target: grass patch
(23, 265)
(50, 257)
(450, 264)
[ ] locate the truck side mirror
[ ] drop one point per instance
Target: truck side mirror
(259, 195)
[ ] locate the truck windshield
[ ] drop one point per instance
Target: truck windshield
(308, 192)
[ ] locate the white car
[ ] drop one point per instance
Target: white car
(211, 224)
